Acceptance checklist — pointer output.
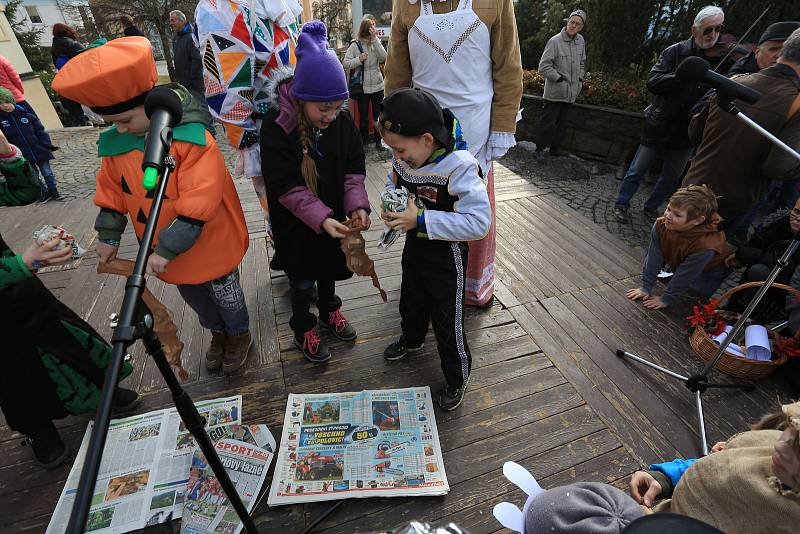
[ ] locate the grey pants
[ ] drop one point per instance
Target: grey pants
(219, 304)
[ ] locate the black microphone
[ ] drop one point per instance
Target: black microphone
(163, 107)
(695, 69)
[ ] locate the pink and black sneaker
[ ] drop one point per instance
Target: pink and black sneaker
(337, 324)
(312, 346)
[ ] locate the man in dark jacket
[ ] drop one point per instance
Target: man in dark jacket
(667, 118)
(187, 61)
(734, 159)
(768, 49)
(25, 131)
(66, 46)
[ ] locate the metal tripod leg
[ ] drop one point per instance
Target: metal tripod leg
(625, 354)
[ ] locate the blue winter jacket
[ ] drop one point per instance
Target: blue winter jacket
(25, 130)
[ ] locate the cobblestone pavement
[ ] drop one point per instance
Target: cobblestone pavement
(76, 162)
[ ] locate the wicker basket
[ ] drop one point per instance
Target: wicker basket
(731, 364)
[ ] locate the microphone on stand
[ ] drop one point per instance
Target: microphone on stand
(163, 107)
(695, 69)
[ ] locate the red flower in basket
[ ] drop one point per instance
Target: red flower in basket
(707, 317)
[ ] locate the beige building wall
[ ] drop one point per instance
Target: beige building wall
(35, 93)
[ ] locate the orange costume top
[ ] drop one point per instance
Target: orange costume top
(200, 194)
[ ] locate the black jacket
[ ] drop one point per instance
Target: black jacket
(25, 131)
(768, 245)
(64, 46)
(667, 118)
(186, 57)
(745, 65)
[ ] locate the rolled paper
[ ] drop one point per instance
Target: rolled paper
(756, 340)
(733, 348)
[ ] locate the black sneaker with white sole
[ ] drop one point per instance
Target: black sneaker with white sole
(451, 398)
(398, 350)
(47, 446)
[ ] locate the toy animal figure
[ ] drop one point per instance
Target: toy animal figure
(354, 248)
(163, 326)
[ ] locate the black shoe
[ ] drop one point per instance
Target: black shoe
(44, 197)
(651, 214)
(621, 214)
(275, 263)
(338, 325)
(540, 156)
(125, 400)
(48, 447)
(451, 398)
(398, 350)
(312, 346)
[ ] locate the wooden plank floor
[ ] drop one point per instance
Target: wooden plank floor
(547, 389)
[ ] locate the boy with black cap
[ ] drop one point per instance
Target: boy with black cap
(431, 160)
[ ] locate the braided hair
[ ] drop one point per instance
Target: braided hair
(307, 166)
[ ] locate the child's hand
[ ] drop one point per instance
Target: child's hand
(39, 256)
(644, 488)
(637, 294)
(334, 228)
(718, 446)
(654, 303)
(363, 218)
(156, 264)
(404, 221)
(106, 252)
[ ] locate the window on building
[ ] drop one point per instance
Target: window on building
(33, 14)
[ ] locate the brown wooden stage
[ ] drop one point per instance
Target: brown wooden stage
(547, 389)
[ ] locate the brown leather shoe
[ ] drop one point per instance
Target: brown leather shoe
(236, 350)
(216, 351)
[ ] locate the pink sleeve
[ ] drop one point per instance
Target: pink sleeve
(355, 194)
(306, 207)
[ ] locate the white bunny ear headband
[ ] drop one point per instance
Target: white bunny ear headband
(508, 514)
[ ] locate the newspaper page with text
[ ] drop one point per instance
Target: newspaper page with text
(379, 443)
(206, 509)
(144, 471)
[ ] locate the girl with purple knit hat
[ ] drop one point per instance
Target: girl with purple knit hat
(314, 171)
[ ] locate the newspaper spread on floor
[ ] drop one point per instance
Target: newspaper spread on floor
(206, 509)
(145, 467)
(381, 443)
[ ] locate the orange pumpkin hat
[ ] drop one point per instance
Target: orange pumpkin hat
(110, 78)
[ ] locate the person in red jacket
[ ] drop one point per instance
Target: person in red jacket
(9, 78)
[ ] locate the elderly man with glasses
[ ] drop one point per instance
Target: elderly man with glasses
(667, 117)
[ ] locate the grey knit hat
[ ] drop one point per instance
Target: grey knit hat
(578, 12)
(580, 508)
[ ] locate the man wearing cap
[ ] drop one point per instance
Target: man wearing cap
(768, 49)
(201, 235)
(563, 66)
(734, 159)
(666, 119)
(465, 54)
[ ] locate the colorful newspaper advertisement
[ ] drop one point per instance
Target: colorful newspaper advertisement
(381, 443)
(144, 471)
(206, 509)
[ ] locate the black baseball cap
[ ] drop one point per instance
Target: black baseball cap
(411, 112)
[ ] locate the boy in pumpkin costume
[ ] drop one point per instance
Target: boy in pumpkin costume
(201, 235)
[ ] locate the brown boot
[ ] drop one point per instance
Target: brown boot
(216, 351)
(236, 350)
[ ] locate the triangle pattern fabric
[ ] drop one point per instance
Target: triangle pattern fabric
(213, 87)
(267, 24)
(229, 61)
(259, 46)
(222, 43)
(240, 31)
(124, 185)
(141, 217)
(209, 63)
(248, 94)
(244, 78)
(279, 36)
(215, 102)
